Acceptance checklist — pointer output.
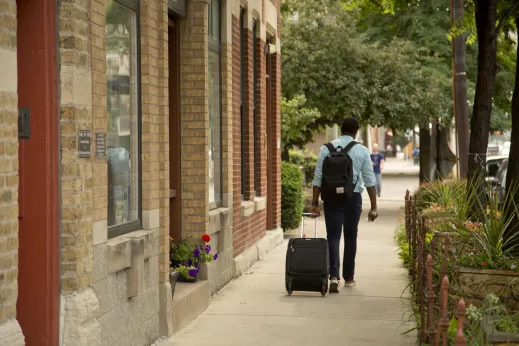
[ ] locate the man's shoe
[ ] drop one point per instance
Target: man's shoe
(334, 285)
(350, 283)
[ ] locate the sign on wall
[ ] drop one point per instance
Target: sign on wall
(100, 145)
(84, 143)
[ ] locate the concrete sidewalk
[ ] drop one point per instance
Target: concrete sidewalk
(256, 310)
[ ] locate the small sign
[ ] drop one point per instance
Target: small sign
(84, 143)
(101, 145)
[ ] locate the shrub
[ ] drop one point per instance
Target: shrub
(306, 160)
(291, 196)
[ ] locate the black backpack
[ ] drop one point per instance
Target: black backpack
(337, 183)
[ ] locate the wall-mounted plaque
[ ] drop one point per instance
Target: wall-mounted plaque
(101, 145)
(84, 143)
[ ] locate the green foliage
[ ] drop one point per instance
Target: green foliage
(295, 122)
(291, 196)
(342, 74)
(182, 252)
(306, 160)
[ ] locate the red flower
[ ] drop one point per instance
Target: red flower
(483, 264)
(206, 238)
(461, 255)
(455, 257)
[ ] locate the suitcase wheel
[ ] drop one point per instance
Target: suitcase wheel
(324, 288)
(289, 287)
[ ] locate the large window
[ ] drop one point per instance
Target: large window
(215, 139)
(123, 116)
(256, 90)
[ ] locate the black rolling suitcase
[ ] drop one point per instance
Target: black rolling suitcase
(307, 263)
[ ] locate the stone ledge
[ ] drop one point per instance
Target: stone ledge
(11, 333)
(218, 220)
(247, 208)
(120, 249)
(260, 203)
(190, 301)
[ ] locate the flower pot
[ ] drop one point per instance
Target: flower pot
(193, 273)
(173, 277)
(495, 337)
(474, 284)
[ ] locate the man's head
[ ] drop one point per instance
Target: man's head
(350, 127)
(375, 147)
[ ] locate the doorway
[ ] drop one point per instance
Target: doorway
(38, 216)
(174, 129)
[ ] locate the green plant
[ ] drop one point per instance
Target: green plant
(485, 240)
(306, 160)
(183, 251)
(291, 196)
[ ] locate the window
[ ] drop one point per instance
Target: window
(215, 138)
(255, 124)
(242, 98)
(123, 138)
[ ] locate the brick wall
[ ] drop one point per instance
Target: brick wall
(195, 119)
(275, 135)
(8, 165)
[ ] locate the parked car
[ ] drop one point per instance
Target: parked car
(499, 182)
(493, 164)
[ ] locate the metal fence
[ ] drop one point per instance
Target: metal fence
(429, 281)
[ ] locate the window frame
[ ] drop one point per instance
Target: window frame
(134, 225)
(255, 118)
(242, 101)
(216, 46)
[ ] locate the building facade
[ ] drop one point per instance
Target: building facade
(124, 123)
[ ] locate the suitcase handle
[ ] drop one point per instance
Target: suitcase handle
(314, 216)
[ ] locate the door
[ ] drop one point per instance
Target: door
(38, 261)
(174, 130)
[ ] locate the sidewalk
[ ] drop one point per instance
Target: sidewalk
(394, 166)
(255, 309)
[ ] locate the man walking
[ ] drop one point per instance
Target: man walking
(346, 213)
(377, 158)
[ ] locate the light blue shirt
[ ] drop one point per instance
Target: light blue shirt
(362, 166)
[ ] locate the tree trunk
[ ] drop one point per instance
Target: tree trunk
(425, 154)
(513, 165)
(285, 155)
(486, 14)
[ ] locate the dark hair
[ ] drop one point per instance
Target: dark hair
(350, 126)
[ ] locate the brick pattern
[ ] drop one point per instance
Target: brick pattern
(76, 173)
(260, 176)
(8, 172)
(227, 118)
(99, 108)
(275, 131)
(163, 92)
(246, 230)
(195, 119)
(248, 118)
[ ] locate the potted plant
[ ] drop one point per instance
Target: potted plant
(186, 258)
(485, 262)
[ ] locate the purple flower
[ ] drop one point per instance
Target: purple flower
(207, 249)
(196, 252)
(215, 257)
(192, 272)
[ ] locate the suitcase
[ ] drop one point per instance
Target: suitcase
(307, 263)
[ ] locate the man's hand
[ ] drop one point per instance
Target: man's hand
(316, 211)
(373, 214)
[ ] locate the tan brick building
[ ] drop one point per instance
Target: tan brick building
(145, 119)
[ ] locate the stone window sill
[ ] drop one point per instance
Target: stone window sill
(260, 203)
(218, 219)
(247, 208)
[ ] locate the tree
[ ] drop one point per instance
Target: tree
(342, 74)
(295, 121)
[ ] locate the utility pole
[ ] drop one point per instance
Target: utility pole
(459, 80)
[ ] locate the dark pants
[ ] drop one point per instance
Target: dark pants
(337, 217)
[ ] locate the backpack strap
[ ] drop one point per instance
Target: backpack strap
(330, 147)
(351, 145)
